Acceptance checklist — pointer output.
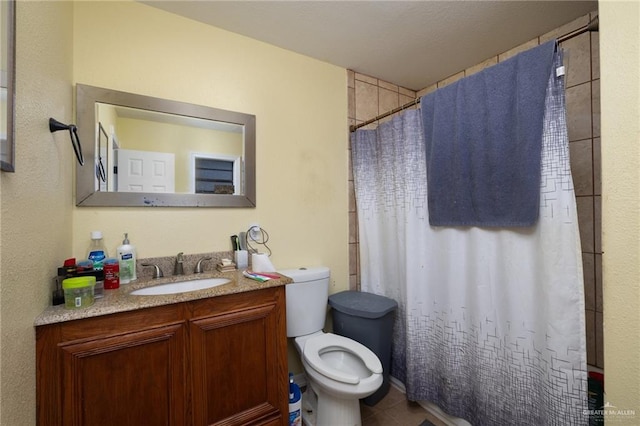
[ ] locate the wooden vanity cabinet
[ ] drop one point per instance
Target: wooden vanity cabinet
(239, 359)
(216, 361)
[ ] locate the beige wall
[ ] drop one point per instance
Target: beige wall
(36, 225)
(36, 219)
(301, 149)
(620, 80)
(300, 201)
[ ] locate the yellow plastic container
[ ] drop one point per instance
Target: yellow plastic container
(78, 292)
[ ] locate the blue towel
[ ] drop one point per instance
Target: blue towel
(483, 137)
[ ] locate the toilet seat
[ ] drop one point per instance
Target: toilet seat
(316, 346)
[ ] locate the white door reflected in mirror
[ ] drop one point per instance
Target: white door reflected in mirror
(145, 171)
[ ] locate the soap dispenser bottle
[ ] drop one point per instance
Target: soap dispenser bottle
(127, 261)
(97, 251)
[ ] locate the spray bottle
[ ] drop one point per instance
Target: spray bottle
(295, 403)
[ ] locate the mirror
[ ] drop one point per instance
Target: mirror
(7, 84)
(145, 151)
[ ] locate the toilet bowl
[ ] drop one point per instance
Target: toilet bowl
(341, 365)
(339, 370)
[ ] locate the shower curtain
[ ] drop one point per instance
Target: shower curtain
(490, 324)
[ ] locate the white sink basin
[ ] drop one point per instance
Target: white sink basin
(180, 287)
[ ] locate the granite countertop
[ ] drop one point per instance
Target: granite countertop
(121, 299)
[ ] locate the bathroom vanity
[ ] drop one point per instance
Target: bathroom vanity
(208, 357)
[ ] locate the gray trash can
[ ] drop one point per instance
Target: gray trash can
(368, 319)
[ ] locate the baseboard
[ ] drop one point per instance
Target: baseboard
(430, 407)
(398, 384)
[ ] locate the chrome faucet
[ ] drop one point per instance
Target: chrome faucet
(178, 269)
(198, 269)
(157, 273)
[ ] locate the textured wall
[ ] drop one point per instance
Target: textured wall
(36, 199)
(620, 64)
(36, 222)
(300, 201)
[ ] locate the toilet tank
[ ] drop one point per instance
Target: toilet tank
(306, 299)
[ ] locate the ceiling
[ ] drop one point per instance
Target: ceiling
(410, 43)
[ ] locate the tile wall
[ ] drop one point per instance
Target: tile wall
(370, 97)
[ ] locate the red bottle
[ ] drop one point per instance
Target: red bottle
(111, 274)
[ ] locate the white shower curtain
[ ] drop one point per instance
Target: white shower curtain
(490, 324)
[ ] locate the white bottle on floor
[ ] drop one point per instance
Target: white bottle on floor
(295, 403)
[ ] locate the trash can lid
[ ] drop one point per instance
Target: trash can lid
(362, 304)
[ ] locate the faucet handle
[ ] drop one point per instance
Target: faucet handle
(157, 273)
(198, 269)
(178, 269)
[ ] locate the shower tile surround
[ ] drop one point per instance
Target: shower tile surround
(369, 97)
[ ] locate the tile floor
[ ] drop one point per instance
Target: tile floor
(395, 410)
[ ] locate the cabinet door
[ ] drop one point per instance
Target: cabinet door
(237, 359)
(136, 378)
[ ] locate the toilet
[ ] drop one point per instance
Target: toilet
(339, 370)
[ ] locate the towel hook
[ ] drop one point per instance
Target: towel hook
(55, 125)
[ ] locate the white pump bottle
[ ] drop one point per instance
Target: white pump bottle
(127, 261)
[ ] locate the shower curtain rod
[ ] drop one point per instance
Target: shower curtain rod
(592, 26)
